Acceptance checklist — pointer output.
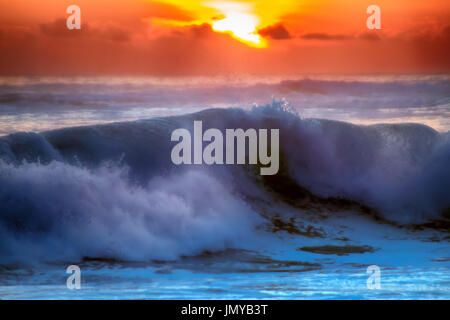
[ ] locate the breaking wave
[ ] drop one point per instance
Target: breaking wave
(112, 190)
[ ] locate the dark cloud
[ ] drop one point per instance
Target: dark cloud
(115, 34)
(369, 36)
(432, 49)
(58, 28)
(193, 32)
(446, 32)
(202, 31)
(277, 32)
(108, 32)
(326, 36)
(102, 48)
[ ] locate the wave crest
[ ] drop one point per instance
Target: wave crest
(60, 193)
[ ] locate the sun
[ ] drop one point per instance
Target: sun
(239, 21)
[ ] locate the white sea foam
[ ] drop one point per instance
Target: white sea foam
(112, 190)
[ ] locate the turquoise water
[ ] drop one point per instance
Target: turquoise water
(410, 269)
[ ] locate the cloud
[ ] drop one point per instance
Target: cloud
(118, 47)
(446, 32)
(58, 28)
(109, 31)
(168, 12)
(277, 32)
(369, 36)
(114, 33)
(432, 49)
(326, 36)
(201, 31)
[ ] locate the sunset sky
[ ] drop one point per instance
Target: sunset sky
(209, 37)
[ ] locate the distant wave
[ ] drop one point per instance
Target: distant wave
(112, 190)
(91, 93)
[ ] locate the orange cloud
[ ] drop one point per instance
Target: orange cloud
(109, 31)
(169, 11)
(120, 37)
(326, 36)
(277, 32)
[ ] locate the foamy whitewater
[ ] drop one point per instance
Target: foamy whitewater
(107, 197)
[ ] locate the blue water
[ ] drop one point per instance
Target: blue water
(370, 189)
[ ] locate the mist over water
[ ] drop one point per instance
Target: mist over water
(44, 103)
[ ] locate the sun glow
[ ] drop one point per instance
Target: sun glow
(239, 21)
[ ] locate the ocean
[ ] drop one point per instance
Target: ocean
(86, 179)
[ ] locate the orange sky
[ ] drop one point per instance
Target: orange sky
(210, 37)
